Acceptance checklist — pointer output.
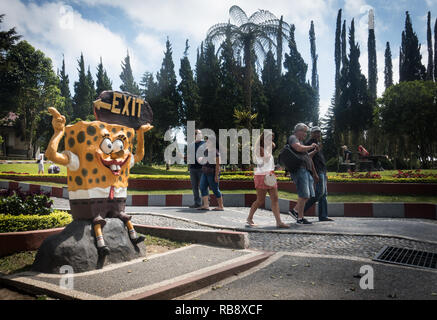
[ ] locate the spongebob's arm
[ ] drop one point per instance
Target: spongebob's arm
(52, 153)
(140, 142)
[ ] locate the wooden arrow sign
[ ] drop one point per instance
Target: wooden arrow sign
(122, 108)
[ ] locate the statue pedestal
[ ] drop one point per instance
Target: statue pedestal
(75, 246)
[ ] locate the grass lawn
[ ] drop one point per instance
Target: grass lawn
(17, 262)
(31, 168)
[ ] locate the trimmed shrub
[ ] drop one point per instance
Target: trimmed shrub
(15, 223)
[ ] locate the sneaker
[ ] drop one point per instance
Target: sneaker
(293, 213)
(303, 221)
(103, 251)
(325, 219)
(138, 240)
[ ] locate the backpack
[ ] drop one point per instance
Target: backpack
(290, 159)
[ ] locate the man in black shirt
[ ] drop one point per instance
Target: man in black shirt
(196, 171)
(321, 191)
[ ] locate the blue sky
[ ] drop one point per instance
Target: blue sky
(108, 28)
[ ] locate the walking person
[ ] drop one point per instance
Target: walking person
(303, 176)
(210, 177)
(321, 191)
(196, 171)
(41, 163)
(265, 166)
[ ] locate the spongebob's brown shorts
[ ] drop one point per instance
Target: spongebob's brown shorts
(99, 209)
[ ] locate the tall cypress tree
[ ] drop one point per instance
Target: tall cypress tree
(102, 83)
(297, 96)
(372, 64)
(92, 88)
(388, 69)
(314, 74)
(337, 54)
(82, 101)
(411, 67)
(344, 59)
(169, 105)
(231, 90)
(271, 81)
(207, 74)
(435, 50)
(64, 86)
(355, 110)
(127, 77)
(430, 68)
(188, 89)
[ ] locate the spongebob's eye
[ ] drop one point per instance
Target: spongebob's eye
(117, 145)
(106, 146)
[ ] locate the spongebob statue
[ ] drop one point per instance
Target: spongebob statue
(98, 156)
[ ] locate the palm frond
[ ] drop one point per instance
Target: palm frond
(238, 15)
(262, 15)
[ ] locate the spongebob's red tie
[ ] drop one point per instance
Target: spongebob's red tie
(111, 193)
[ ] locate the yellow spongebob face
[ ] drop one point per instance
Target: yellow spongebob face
(104, 151)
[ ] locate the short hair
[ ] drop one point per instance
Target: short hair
(301, 126)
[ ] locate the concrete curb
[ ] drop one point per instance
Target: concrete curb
(200, 281)
(11, 242)
(227, 239)
(356, 209)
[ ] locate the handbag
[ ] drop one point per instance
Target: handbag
(290, 159)
(270, 180)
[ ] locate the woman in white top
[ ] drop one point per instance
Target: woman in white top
(41, 163)
(265, 166)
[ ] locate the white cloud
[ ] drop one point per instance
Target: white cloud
(56, 29)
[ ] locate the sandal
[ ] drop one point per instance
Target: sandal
(218, 209)
(202, 208)
(250, 223)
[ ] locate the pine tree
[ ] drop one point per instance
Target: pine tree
(314, 74)
(272, 116)
(430, 68)
(92, 88)
(435, 50)
(188, 89)
(344, 59)
(82, 101)
(231, 90)
(337, 54)
(64, 87)
(297, 96)
(127, 77)
(411, 67)
(372, 64)
(355, 111)
(102, 83)
(388, 70)
(168, 109)
(207, 76)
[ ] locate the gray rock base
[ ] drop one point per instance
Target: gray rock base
(76, 246)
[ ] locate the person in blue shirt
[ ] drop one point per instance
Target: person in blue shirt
(196, 171)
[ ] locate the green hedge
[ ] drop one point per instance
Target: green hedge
(12, 223)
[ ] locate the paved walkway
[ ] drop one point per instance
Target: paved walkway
(235, 218)
(318, 261)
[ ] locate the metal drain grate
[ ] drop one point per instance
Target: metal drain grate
(407, 257)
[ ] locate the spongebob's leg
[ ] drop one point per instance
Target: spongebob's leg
(101, 247)
(133, 234)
